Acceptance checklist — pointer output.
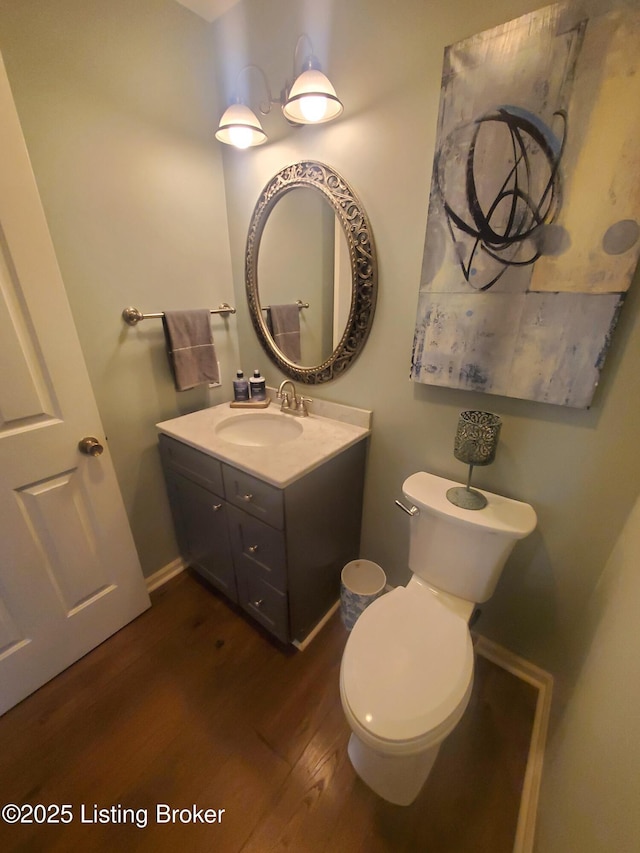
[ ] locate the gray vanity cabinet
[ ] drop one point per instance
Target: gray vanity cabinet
(199, 513)
(287, 546)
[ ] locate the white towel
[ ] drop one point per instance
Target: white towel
(190, 348)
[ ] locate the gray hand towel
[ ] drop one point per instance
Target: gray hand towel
(192, 355)
(285, 325)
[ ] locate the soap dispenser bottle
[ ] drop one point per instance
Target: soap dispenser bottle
(240, 388)
(258, 387)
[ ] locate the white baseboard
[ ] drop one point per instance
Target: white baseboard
(543, 682)
(301, 645)
(165, 574)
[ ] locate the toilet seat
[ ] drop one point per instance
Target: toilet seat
(407, 671)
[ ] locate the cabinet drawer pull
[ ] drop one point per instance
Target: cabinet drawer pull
(247, 498)
(252, 549)
(258, 603)
(216, 507)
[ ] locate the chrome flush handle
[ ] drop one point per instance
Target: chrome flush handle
(413, 510)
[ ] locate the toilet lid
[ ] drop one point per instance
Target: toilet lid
(407, 665)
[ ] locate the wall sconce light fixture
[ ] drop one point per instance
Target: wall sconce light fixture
(475, 443)
(310, 100)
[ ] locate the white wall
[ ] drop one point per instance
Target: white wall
(591, 786)
(118, 102)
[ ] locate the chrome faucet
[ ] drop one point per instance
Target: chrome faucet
(294, 404)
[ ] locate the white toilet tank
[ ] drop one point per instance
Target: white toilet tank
(462, 551)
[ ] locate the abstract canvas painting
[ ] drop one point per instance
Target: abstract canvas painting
(533, 228)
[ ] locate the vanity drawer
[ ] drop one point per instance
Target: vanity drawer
(258, 548)
(265, 604)
(259, 499)
(197, 466)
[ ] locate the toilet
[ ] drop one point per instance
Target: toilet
(407, 669)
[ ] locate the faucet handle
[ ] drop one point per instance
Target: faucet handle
(285, 406)
(302, 405)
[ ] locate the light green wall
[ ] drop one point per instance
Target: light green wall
(592, 785)
(579, 469)
(118, 101)
(118, 104)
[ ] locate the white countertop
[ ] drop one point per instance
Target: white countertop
(280, 464)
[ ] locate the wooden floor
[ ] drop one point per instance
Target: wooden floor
(192, 705)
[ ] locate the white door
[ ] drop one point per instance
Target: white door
(69, 572)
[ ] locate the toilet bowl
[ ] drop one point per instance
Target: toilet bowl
(407, 669)
(405, 682)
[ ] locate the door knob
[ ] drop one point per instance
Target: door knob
(91, 446)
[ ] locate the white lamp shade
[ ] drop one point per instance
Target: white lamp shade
(240, 127)
(312, 99)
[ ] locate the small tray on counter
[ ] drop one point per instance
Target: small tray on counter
(250, 404)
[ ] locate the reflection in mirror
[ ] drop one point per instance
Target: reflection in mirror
(310, 242)
(304, 256)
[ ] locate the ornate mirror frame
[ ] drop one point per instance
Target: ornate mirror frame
(362, 256)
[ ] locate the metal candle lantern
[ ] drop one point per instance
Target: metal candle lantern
(475, 443)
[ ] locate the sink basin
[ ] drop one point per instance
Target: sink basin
(259, 430)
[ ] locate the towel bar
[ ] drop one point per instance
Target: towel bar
(133, 315)
(299, 303)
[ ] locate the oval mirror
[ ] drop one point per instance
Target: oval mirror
(310, 245)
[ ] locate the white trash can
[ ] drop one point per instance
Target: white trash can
(362, 581)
